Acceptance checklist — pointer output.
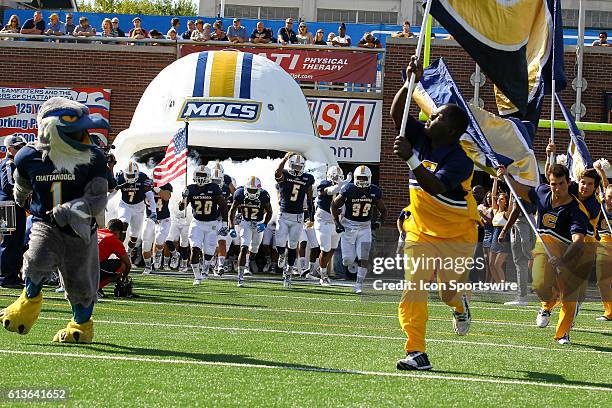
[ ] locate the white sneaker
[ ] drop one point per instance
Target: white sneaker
(197, 281)
(240, 281)
(286, 279)
(282, 258)
(358, 288)
(166, 267)
(414, 361)
(147, 270)
(461, 321)
(520, 301)
(564, 340)
(184, 266)
(543, 318)
(158, 261)
(174, 260)
(324, 282)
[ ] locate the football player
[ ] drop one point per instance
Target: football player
(308, 239)
(178, 238)
(359, 199)
(293, 187)
(207, 204)
(604, 255)
(226, 183)
(156, 231)
(254, 204)
(135, 186)
(325, 229)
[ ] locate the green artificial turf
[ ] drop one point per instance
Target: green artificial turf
(263, 345)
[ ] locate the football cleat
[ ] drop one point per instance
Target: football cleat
(167, 267)
(324, 282)
(184, 266)
(414, 360)
(282, 258)
(295, 271)
(543, 318)
(564, 340)
(174, 260)
(358, 288)
(147, 270)
(286, 279)
(158, 261)
(197, 281)
(461, 321)
(20, 316)
(75, 333)
(604, 319)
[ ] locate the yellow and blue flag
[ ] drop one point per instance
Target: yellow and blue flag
(514, 43)
(490, 141)
(578, 156)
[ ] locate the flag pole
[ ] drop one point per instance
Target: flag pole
(580, 53)
(411, 82)
(553, 85)
(427, 52)
(186, 156)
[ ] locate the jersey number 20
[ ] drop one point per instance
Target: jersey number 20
(207, 207)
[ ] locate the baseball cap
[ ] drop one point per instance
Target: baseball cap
(136, 18)
(289, 20)
(320, 30)
(14, 141)
(68, 15)
(236, 19)
(115, 20)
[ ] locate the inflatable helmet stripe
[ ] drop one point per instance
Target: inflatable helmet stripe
(223, 74)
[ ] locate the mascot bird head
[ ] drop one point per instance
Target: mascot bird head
(63, 134)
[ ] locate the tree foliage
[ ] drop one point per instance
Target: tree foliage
(154, 7)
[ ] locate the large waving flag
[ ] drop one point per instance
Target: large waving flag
(578, 156)
(512, 41)
(174, 163)
(490, 141)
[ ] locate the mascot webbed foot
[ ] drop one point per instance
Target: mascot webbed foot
(20, 316)
(75, 333)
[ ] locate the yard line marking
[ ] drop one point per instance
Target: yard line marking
(349, 335)
(421, 376)
(324, 312)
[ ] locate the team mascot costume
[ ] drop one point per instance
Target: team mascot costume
(63, 177)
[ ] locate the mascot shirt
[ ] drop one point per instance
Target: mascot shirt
(51, 187)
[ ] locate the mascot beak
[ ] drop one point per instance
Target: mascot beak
(82, 123)
(74, 125)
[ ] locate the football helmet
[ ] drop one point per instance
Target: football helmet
(202, 175)
(131, 172)
(362, 176)
(216, 176)
(252, 188)
(335, 174)
(296, 165)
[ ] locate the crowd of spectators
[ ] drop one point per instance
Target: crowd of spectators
(197, 30)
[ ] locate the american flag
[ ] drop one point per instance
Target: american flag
(174, 163)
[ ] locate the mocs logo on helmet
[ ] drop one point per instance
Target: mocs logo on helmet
(220, 109)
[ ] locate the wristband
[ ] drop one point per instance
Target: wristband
(413, 162)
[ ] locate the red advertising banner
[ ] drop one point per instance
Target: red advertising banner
(311, 65)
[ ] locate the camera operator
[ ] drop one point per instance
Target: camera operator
(110, 242)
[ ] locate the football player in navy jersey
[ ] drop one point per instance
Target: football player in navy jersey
(134, 186)
(178, 238)
(65, 177)
(156, 231)
(324, 226)
(254, 205)
(359, 199)
(293, 187)
(308, 239)
(562, 225)
(226, 183)
(207, 204)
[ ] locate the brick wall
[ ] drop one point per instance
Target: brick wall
(126, 70)
(394, 172)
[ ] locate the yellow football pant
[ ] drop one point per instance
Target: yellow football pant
(563, 287)
(412, 310)
(603, 266)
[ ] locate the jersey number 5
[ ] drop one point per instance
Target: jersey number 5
(359, 211)
(295, 192)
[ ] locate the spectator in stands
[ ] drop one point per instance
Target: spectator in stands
(342, 39)
(603, 40)
(12, 26)
(319, 38)
(405, 33)
(84, 29)
(219, 34)
(190, 27)
(286, 35)
(120, 32)
(69, 25)
(172, 35)
(175, 23)
(261, 34)
(237, 33)
(202, 31)
(156, 35)
(330, 39)
(55, 27)
(369, 41)
(304, 36)
(107, 28)
(137, 34)
(110, 242)
(137, 26)
(34, 25)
